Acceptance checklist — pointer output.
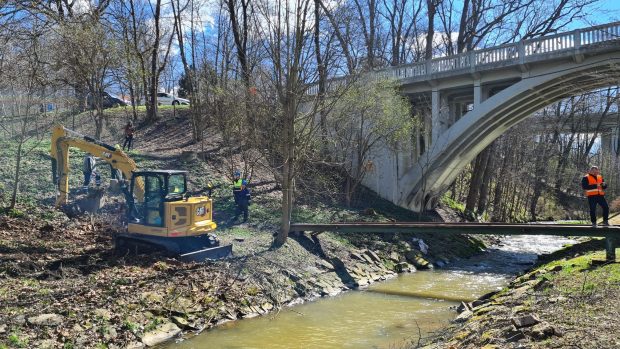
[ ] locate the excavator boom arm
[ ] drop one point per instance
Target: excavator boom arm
(63, 139)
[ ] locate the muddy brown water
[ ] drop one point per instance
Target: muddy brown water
(390, 314)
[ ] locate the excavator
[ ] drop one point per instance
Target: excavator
(161, 215)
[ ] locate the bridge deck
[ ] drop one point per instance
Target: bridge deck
(611, 233)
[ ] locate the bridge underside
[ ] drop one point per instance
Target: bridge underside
(459, 144)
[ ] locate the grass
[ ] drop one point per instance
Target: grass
(453, 204)
(579, 277)
(16, 341)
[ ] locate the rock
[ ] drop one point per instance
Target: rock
(395, 257)
(110, 334)
(535, 284)
(542, 330)
(45, 320)
(520, 292)
(247, 312)
(488, 295)
(362, 282)
(513, 336)
(267, 306)
(555, 268)
(525, 321)
(2, 328)
(464, 316)
(483, 308)
(463, 306)
(180, 321)
(103, 313)
(519, 309)
(404, 267)
(373, 255)
(325, 264)
(416, 259)
(357, 256)
(161, 334)
(292, 274)
(478, 302)
(19, 320)
(559, 299)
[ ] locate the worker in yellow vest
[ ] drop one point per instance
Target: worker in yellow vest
(237, 182)
(594, 186)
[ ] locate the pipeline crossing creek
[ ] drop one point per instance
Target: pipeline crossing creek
(389, 314)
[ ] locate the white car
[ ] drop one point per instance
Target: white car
(164, 98)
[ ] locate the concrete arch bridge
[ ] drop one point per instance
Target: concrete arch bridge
(473, 98)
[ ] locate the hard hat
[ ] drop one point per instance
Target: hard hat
(237, 173)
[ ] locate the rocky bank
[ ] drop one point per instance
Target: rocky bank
(571, 299)
(62, 285)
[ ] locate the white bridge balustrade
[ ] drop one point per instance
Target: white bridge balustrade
(470, 99)
(566, 45)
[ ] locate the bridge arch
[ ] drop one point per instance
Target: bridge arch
(457, 146)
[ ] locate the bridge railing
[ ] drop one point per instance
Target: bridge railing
(526, 51)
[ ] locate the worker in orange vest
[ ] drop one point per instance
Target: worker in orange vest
(593, 184)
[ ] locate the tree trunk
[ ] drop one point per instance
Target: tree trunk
(288, 144)
(476, 179)
(18, 161)
(486, 181)
(287, 200)
(428, 52)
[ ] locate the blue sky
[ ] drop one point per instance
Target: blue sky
(604, 11)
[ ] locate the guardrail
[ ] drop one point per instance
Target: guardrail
(526, 51)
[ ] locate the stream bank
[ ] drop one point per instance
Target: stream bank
(398, 313)
(61, 285)
(570, 299)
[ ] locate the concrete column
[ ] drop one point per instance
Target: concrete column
(458, 111)
(428, 126)
(435, 114)
(452, 108)
(477, 93)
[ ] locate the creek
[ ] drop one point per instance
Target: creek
(390, 314)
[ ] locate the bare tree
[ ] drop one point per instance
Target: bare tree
(368, 117)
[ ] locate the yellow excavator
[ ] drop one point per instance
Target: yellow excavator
(160, 213)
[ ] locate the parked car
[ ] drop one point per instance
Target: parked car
(109, 101)
(164, 98)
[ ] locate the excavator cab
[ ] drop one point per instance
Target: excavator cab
(159, 187)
